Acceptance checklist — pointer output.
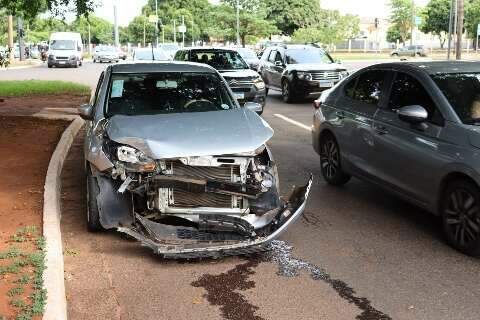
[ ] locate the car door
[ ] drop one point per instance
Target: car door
(405, 155)
(277, 70)
(353, 119)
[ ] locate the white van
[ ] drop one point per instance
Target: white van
(65, 49)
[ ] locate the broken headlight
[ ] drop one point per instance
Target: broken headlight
(135, 159)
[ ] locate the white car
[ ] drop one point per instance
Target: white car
(105, 54)
(150, 54)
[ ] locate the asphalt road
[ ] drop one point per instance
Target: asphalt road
(359, 252)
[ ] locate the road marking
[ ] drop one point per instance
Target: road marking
(298, 124)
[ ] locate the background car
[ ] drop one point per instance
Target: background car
(299, 71)
(169, 48)
(149, 54)
(410, 51)
(105, 54)
(412, 128)
(250, 57)
(121, 54)
(246, 84)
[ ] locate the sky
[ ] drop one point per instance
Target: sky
(128, 9)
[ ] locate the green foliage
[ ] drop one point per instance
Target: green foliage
(101, 31)
(31, 8)
(436, 17)
(290, 15)
(15, 291)
(23, 279)
(18, 303)
(401, 20)
(472, 16)
(15, 88)
(12, 252)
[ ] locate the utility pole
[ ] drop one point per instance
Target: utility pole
(174, 32)
(460, 10)
(156, 24)
(238, 22)
(193, 41)
(413, 23)
(11, 56)
(89, 40)
(450, 29)
(144, 36)
(117, 42)
(20, 34)
(183, 31)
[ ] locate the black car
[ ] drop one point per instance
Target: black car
(246, 84)
(299, 71)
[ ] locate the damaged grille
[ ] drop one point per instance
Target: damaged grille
(185, 199)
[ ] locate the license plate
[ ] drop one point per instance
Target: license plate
(325, 84)
(239, 95)
(61, 62)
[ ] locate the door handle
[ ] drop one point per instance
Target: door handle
(381, 130)
(340, 114)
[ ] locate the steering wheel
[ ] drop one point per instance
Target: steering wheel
(191, 102)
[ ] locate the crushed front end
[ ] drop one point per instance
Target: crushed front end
(192, 207)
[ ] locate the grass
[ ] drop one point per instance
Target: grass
(19, 88)
(31, 258)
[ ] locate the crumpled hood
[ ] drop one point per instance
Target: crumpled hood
(244, 73)
(316, 66)
(176, 135)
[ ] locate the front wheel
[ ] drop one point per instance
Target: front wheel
(287, 94)
(460, 210)
(330, 162)
(93, 214)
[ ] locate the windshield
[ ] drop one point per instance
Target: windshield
(163, 93)
(462, 90)
(107, 49)
(310, 55)
(62, 45)
(247, 53)
(147, 55)
(220, 60)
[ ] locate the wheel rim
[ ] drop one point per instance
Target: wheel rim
(329, 159)
(462, 217)
(285, 89)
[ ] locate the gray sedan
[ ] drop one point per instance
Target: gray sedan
(175, 162)
(414, 129)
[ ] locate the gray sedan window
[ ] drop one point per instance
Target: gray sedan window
(370, 87)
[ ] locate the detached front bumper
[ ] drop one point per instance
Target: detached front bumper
(165, 239)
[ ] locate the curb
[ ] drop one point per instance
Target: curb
(53, 277)
(21, 67)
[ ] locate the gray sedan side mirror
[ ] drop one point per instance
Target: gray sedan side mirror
(256, 107)
(414, 114)
(278, 63)
(86, 111)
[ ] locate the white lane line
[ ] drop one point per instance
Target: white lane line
(298, 124)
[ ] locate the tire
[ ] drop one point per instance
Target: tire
(49, 65)
(81, 63)
(287, 94)
(266, 92)
(76, 64)
(460, 212)
(94, 60)
(395, 55)
(93, 214)
(330, 163)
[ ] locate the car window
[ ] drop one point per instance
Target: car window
(407, 91)
(370, 87)
(271, 57)
(167, 92)
(278, 57)
(307, 55)
(219, 59)
(99, 84)
(462, 90)
(350, 88)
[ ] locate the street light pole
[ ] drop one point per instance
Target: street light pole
(413, 23)
(450, 29)
(238, 22)
(117, 42)
(460, 14)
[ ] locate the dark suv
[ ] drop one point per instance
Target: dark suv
(246, 84)
(299, 71)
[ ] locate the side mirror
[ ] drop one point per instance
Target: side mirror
(338, 61)
(256, 107)
(86, 111)
(414, 114)
(278, 63)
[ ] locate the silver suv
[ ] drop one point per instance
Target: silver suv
(412, 128)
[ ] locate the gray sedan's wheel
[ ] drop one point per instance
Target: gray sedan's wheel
(93, 214)
(460, 211)
(330, 162)
(287, 93)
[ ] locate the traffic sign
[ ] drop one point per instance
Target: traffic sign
(418, 20)
(182, 29)
(153, 18)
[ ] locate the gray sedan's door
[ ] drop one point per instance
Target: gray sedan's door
(407, 156)
(353, 119)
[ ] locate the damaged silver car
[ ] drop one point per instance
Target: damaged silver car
(173, 161)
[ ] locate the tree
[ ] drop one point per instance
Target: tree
(29, 9)
(401, 19)
(251, 24)
(101, 30)
(437, 14)
(290, 15)
(472, 16)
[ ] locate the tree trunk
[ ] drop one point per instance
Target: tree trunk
(11, 49)
(242, 38)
